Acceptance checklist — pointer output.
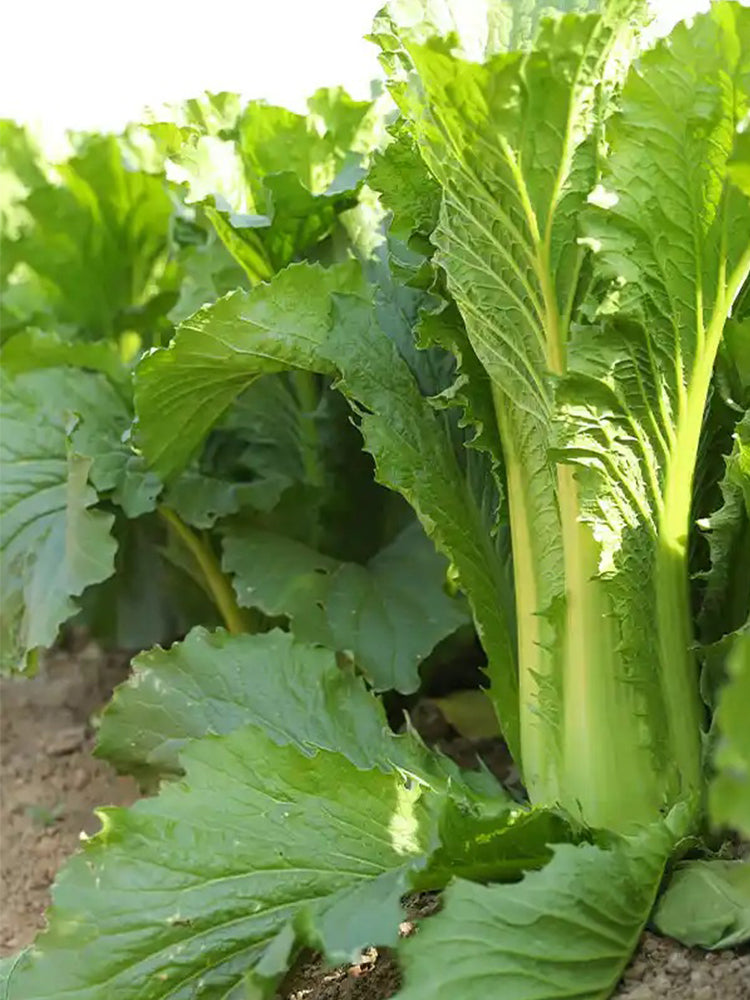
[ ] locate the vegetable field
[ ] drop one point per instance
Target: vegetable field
(442, 397)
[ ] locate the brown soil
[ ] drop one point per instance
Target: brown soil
(51, 783)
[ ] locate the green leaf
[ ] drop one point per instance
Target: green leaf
(265, 444)
(316, 148)
(98, 239)
(255, 838)
(707, 904)
(509, 131)
(730, 790)
(726, 597)
(567, 931)
(149, 599)
(33, 349)
(213, 683)
(413, 447)
(405, 189)
(182, 391)
(739, 165)
(388, 615)
(291, 224)
(53, 545)
(470, 713)
(207, 271)
(201, 500)
(494, 846)
(475, 31)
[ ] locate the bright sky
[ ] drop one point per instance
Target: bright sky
(87, 64)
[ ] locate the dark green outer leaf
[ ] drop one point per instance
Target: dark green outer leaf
(182, 895)
(389, 614)
(413, 452)
(53, 545)
(213, 682)
(566, 931)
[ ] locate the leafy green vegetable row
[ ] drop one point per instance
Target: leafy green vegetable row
(544, 348)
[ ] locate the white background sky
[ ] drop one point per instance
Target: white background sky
(91, 64)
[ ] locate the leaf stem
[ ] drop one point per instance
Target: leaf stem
(217, 583)
(306, 388)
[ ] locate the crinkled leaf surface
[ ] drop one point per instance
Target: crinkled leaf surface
(510, 141)
(407, 191)
(53, 544)
(725, 604)
(566, 931)
(515, 143)
(707, 904)
(388, 614)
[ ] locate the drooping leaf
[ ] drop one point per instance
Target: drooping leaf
(213, 683)
(255, 839)
(566, 931)
(707, 904)
(181, 392)
(494, 846)
(216, 683)
(388, 614)
(53, 544)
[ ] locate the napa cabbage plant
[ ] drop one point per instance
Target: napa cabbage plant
(547, 356)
